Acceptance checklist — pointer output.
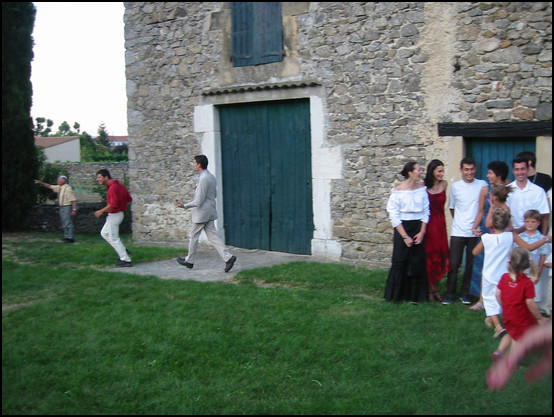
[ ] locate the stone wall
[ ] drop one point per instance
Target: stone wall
(386, 73)
(503, 62)
(82, 178)
(46, 218)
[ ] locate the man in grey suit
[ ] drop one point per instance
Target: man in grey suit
(203, 215)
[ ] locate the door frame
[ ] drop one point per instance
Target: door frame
(327, 160)
(454, 133)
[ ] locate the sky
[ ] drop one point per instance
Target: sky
(78, 69)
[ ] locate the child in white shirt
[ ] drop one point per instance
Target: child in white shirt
(497, 247)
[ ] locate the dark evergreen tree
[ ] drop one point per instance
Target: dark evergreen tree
(19, 155)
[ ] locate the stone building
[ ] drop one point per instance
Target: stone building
(351, 92)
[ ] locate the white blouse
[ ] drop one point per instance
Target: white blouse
(408, 205)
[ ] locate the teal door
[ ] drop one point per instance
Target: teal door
(267, 181)
(485, 150)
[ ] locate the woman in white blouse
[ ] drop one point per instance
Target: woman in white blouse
(408, 208)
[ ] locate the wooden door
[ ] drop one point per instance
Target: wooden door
(485, 150)
(267, 184)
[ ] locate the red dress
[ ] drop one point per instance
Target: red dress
(514, 294)
(436, 240)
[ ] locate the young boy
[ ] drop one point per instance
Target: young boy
(532, 221)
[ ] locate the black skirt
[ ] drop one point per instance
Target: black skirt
(407, 279)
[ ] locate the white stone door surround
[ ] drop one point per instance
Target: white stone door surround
(327, 161)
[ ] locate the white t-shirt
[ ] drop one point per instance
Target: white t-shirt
(521, 200)
(464, 200)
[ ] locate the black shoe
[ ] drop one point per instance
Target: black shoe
(229, 264)
(183, 262)
(68, 240)
(123, 264)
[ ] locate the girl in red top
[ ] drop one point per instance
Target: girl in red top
(515, 293)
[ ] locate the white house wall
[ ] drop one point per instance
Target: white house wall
(65, 152)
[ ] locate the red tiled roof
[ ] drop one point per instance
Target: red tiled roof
(48, 142)
(117, 138)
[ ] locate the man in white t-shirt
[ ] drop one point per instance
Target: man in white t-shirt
(467, 206)
(526, 196)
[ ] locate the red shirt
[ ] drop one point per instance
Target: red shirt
(118, 197)
(513, 294)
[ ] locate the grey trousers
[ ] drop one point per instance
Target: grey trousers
(67, 221)
(213, 237)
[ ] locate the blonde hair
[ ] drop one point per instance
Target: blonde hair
(501, 218)
(519, 261)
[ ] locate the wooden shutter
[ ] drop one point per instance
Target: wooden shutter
(242, 17)
(257, 33)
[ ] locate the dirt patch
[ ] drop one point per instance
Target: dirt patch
(11, 307)
(22, 236)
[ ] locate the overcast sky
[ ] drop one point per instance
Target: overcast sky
(78, 69)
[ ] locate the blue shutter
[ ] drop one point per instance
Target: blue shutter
(242, 21)
(257, 33)
(269, 33)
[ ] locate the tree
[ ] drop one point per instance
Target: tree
(64, 129)
(40, 130)
(88, 147)
(92, 150)
(39, 127)
(103, 135)
(19, 155)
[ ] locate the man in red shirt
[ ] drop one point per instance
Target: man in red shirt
(117, 198)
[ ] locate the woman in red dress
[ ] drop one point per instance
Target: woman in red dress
(436, 240)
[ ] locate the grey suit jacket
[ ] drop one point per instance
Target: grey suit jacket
(204, 207)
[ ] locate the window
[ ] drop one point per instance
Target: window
(257, 33)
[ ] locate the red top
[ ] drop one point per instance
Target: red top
(513, 294)
(118, 197)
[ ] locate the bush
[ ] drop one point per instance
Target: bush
(49, 174)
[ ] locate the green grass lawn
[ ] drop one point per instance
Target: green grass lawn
(300, 338)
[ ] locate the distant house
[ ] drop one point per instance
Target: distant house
(62, 149)
(117, 141)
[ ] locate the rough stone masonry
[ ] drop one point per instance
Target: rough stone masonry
(384, 75)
